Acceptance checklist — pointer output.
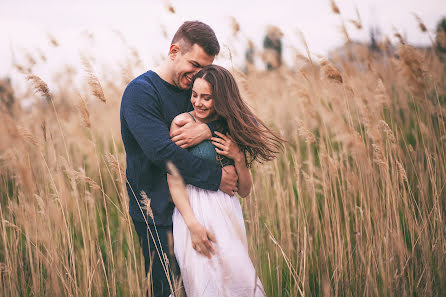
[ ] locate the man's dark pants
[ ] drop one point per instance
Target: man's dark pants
(153, 262)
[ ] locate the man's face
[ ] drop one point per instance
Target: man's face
(187, 64)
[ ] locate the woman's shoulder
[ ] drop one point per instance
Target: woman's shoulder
(182, 117)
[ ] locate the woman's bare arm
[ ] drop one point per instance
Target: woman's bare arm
(201, 238)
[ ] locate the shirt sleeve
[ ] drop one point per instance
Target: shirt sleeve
(142, 113)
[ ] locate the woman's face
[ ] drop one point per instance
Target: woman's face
(202, 100)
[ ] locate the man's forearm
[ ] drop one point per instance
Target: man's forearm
(191, 134)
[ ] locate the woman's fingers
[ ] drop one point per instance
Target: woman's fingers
(209, 247)
(218, 139)
(220, 152)
(211, 237)
(221, 135)
(219, 145)
(202, 248)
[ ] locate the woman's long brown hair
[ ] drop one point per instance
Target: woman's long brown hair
(253, 137)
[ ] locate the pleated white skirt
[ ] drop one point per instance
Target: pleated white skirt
(229, 272)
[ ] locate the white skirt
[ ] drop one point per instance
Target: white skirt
(229, 272)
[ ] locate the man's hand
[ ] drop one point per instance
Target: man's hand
(201, 239)
(229, 180)
(190, 134)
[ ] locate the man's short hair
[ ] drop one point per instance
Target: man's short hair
(195, 32)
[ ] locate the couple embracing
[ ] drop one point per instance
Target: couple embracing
(190, 112)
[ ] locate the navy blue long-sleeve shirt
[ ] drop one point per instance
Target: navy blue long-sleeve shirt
(149, 104)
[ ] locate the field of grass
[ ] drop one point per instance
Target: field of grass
(354, 206)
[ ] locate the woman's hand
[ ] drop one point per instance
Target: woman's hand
(226, 146)
(201, 239)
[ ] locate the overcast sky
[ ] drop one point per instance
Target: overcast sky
(25, 25)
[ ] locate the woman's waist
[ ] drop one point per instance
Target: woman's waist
(193, 190)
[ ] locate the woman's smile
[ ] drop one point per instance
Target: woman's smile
(202, 100)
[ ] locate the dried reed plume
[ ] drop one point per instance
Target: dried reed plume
(421, 25)
(235, 26)
(402, 173)
(358, 22)
(345, 33)
(386, 129)
(330, 72)
(83, 109)
(53, 40)
(146, 204)
(81, 176)
(413, 66)
(22, 69)
(305, 132)
(39, 85)
(170, 7)
(113, 162)
(334, 7)
(400, 38)
(93, 81)
(26, 135)
(304, 42)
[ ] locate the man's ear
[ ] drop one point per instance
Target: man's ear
(174, 50)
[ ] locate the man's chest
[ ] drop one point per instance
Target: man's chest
(173, 106)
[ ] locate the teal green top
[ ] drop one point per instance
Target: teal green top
(204, 150)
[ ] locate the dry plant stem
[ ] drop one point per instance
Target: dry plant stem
(159, 251)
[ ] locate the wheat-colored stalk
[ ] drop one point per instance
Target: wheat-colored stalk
(334, 7)
(421, 25)
(146, 204)
(39, 85)
(358, 22)
(330, 73)
(93, 81)
(85, 114)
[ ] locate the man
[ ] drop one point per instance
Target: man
(149, 104)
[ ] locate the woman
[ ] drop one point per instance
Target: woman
(208, 229)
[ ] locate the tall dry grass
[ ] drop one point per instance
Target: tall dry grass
(354, 206)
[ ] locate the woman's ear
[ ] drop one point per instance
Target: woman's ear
(174, 50)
